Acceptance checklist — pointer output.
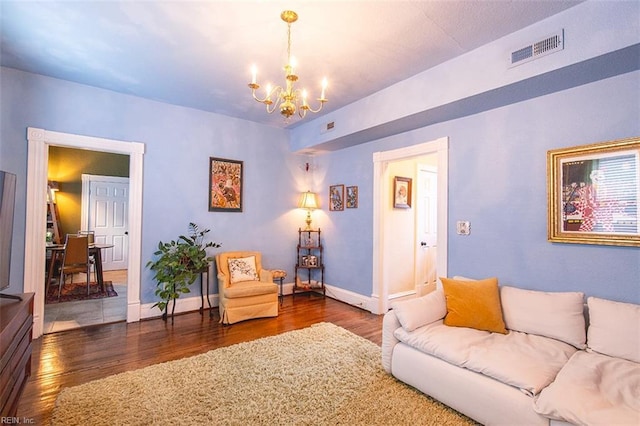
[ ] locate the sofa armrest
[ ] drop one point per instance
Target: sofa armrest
(390, 324)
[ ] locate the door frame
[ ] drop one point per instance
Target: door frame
(39, 141)
(381, 202)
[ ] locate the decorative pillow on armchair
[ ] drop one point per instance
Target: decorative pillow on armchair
(243, 269)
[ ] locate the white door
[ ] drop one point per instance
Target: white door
(426, 229)
(108, 218)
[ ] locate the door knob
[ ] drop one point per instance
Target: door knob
(423, 244)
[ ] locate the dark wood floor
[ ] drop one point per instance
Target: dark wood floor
(70, 358)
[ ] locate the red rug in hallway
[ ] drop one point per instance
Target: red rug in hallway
(78, 291)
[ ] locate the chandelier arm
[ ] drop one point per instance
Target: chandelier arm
(267, 97)
(322, 101)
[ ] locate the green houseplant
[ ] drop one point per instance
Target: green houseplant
(177, 264)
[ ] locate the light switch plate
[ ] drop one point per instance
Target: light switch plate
(463, 227)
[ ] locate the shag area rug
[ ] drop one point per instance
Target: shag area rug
(78, 291)
(320, 375)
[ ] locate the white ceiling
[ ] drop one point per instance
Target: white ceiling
(198, 54)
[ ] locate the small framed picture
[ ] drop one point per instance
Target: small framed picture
(352, 197)
(401, 192)
(309, 261)
(336, 197)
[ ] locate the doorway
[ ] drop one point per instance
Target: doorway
(39, 141)
(385, 220)
(75, 171)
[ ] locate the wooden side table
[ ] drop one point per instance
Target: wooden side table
(279, 275)
(205, 283)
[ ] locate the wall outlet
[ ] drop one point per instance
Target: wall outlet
(463, 227)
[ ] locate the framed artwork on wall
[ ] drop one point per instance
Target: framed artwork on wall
(336, 197)
(401, 192)
(225, 185)
(352, 197)
(593, 193)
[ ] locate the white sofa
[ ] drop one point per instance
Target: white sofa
(549, 367)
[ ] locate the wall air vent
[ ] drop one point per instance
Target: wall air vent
(327, 127)
(538, 49)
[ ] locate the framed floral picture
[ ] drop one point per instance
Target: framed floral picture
(352, 197)
(593, 193)
(401, 192)
(336, 197)
(225, 185)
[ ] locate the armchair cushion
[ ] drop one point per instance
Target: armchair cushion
(242, 269)
(250, 288)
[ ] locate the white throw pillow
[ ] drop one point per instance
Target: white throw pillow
(415, 313)
(558, 315)
(614, 328)
(243, 269)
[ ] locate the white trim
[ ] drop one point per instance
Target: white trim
(381, 179)
(39, 141)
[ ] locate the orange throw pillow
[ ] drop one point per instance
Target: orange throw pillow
(474, 304)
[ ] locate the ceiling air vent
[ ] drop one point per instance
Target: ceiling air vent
(538, 49)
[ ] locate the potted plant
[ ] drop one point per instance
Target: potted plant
(177, 264)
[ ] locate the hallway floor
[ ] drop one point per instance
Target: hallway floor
(69, 315)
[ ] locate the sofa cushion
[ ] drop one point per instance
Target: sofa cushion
(243, 269)
(525, 361)
(473, 304)
(420, 311)
(551, 314)
(593, 389)
(614, 328)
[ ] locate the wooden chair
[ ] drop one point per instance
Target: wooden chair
(245, 289)
(75, 260)
(91, 235)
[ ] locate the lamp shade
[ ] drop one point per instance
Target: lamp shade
(308, 201)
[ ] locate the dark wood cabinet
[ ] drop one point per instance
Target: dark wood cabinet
(309, 263)
(16, 323)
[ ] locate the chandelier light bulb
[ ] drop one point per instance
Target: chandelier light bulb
(293, 64)
(254, 74)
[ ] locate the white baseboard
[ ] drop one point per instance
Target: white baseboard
(188, 304)
(349, 297)
(183, 304)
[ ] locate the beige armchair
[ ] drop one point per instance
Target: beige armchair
(245, 289)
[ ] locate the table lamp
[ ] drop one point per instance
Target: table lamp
(309, 202)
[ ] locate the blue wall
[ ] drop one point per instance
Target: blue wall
(179, 142)
(497, 181)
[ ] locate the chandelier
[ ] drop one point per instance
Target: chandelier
(287, 98)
